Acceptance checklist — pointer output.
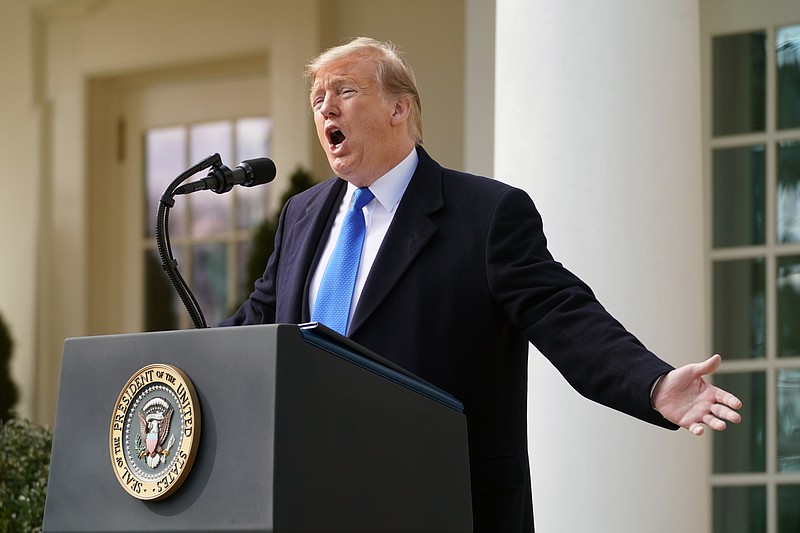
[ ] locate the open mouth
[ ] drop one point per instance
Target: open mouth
(336, 137)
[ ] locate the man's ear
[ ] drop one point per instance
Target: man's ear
(401, 111)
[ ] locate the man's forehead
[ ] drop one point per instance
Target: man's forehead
(333, 78)
(349, 69)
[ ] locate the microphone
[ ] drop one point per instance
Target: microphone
(249, 173)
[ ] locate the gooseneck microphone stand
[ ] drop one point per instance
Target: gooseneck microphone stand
(168, 261)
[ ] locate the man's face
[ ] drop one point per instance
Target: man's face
(354, 121)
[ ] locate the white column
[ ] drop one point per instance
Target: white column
(598, 118)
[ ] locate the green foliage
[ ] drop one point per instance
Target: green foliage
(24, 466)
(263, 243)
(8, 391)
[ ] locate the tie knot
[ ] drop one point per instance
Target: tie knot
(362, 196)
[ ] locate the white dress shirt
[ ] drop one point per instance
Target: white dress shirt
(378, 215)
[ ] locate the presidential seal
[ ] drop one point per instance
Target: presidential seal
(155, 429)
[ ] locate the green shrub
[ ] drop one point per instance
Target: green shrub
(24, 466)
(8, 391)
(263, 242)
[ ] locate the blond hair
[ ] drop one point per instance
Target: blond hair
(394, 75)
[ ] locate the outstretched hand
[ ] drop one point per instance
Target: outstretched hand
(683, 397)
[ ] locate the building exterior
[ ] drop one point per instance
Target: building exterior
(605, 112)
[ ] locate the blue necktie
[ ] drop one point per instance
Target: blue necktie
(335, 295)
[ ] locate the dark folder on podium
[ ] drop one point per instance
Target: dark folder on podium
(301, 430)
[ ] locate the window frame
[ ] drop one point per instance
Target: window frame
(770, 251)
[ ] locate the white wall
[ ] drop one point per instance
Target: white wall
(598, 118)
(479, 87)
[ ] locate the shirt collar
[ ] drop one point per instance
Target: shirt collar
(389, 188)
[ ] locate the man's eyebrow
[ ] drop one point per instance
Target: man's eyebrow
(334, 80)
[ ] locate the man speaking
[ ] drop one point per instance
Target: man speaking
(449, 275)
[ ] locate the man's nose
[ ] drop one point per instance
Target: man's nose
(328, 107)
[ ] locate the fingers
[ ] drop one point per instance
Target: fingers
(717, 417)
(726, 398)
(714, 423)
(726, 413)
(708, 420)
(697, 429)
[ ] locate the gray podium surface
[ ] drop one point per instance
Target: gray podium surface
(293, 439)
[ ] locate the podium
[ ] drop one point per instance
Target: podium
(301, 431)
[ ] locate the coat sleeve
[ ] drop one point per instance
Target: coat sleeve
(561, 316)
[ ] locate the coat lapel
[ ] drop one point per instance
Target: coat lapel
(310, 228)
(408, 234)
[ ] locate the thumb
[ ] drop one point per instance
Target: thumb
(709, 365)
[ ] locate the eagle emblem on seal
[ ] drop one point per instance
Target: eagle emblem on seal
(154, 422)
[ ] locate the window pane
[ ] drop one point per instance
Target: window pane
(788, 192)
(742, 447)
(210, 212)
(738, 73)
(252, 137)
(788, 509)
(252, 140)
(740, 509)
(787, 45)
(209, 280)
(165, 159)
(162, 305)
(789, 421)
(739, 320)
(788, 287)
(738, 189)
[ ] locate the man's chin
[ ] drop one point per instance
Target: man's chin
(340, 167)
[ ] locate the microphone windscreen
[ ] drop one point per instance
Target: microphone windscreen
(263, 170)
